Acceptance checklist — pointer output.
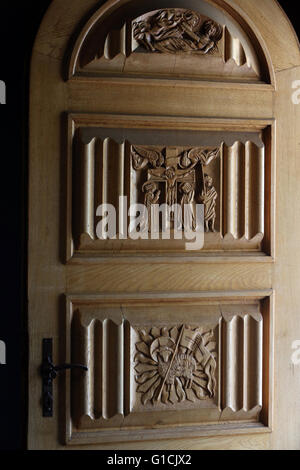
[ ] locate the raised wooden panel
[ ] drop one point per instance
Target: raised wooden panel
(227, 169)
(149, 370)
(185, 40)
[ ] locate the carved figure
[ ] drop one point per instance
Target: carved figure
(187, 198)
(142, 156)
(171, 178)
(152, 194)
(209, 198)
(175, 364)
(177, 30)
(178, 172)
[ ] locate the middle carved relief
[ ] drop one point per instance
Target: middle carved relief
(168, 182)
(181, 175)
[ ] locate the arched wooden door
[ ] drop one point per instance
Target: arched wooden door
(178, 101)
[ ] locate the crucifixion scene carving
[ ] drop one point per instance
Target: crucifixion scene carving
(176, 30)
(178, 177)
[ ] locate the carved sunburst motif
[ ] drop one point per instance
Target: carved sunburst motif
(175, 364)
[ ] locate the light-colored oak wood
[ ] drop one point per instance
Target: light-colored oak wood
(110, 333)
(237, 291)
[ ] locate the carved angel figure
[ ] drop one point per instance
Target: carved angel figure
(177, 30)
(143, 156)
(197, 155)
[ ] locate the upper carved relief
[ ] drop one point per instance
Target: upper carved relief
(177, 30)
(188, 44)
(176, 364)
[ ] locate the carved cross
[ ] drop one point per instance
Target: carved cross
(172, 175)
(178, 172)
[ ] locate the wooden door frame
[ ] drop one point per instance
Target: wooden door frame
(48, 59)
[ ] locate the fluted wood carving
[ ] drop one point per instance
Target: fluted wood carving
(244, 190)
(147, 370)
(229, 180)
(175, 364)
(99, 394)
(176, 30)
(242, 353)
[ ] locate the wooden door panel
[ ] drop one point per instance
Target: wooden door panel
(217, 379)
(177, 342)
(104, 168)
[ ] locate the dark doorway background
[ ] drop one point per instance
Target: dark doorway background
(19, 25)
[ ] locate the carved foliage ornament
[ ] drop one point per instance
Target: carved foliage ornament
(176, 30)
(176, 364)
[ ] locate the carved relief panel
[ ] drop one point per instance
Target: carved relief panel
(175, 30)
(150, 372)
(179, 42)
(228, 173)
(175, 365)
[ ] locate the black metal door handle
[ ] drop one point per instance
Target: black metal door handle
(49, 372)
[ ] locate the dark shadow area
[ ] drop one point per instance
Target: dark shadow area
(291, 10)
(20, 22)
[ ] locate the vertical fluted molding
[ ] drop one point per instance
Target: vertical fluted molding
(87, 181)
(122, 210)
(88, 387)
(98, 195)
(234, 49)
(113, 369)
(102, 392)
(233, 366)
(232, 168)
(258, 178)
(127, 368)
(121, 172)
(98, 369)
(111, 173)
(105, 156)
(244, 190)
(105, 369)
(82, 382)
(242, 351)
(116, 43)
(253, 352)
(248, 191)
(123, 40)
(262, 188)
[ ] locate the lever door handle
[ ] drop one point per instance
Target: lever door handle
(49, 372)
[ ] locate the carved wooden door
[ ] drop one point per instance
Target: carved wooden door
(164, 102)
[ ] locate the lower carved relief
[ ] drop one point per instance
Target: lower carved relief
(148, 372)
(176, 364)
